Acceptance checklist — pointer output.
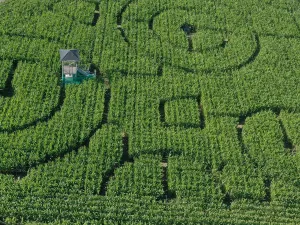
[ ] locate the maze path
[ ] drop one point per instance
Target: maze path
(49, 158)
(239, 66)
(8, 92)
(120, 20)
(287, 141)
(243, 63)
(164, 164)
(127, 158)
(289, 147)
(96, 15)
(107, 102)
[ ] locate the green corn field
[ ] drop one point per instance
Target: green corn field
(193, 118)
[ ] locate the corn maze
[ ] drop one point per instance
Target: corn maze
(194, 117)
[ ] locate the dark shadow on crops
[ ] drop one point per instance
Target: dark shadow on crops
(120, 13)
(124, 158)
(160, 68)
(185, 69)
(41, 37)
(151, 20)
(227, 199)
(189, 29)
(252, 58)
(267, 183)
(17, 174)
(19, 59)
(94, 68)
(168, 194)
(161, 109)
(85, 142)
(123, 34)
(62, 96)
(96, 14)
(224, 43)
(288, 144)
(201, 113)
(8, 90)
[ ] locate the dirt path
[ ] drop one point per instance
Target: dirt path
(2, 1)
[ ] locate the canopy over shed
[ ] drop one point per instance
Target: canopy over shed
(69, 55)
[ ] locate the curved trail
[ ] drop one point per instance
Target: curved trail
(288, 145)
(120, 13)
(251, 59)
(49, 158)
(120, 20)
(151, 20)
(248, 61)
(62, 96)
(126, 157)
(9, 92)
(242, 120)
(96, 14)
(241, 65)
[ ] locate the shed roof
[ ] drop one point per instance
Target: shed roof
(69, 55)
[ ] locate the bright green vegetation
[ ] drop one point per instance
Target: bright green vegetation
(182, 112)
(141, 178)
(194, 117)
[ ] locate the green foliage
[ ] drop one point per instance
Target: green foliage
(242, 181)
(190, 181)
(180, 127)
(138, 179)
(184, 112)
(263, 140)
(80, 172)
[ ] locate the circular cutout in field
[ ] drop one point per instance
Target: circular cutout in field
(193, 41)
